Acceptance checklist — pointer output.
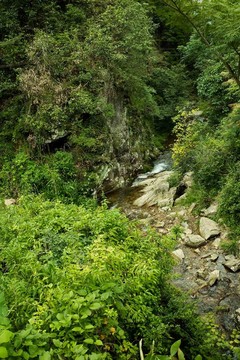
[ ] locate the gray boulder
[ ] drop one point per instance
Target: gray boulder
(211, 210)
(195, 241)
(178, 254)
(208, 228)
(232, 263)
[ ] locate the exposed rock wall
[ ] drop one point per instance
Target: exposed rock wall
(129, 146)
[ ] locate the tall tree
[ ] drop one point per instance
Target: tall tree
(217, 25)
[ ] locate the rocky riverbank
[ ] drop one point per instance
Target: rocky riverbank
(203, 270)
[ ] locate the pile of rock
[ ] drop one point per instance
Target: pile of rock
(208, 229)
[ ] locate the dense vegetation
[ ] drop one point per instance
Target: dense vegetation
(85, 283)
(84, 77)
(89, 87)
(207, 127)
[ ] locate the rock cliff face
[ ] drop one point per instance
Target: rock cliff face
(129, 146)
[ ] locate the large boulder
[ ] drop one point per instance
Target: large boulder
(195, 241)
(156, 191)
(232, 263)
(179, 254)
(211, 210)
(208, 228)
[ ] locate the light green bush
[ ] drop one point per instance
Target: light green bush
(86, 284)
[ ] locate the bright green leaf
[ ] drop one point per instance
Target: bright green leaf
(60, 316)
(180, 355)
(4, 321)
(89, 327)
(33, 350)
(95, 356)
(3, 352)
(26, 355)
(5, 336)
(98, 342)
(78, 329)
(95, 306)
(86, 314)
(175, 347)
(45, 356)
(89, 341)
(106, 295)
(57, 342)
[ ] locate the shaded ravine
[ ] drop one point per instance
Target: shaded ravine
(200, 271)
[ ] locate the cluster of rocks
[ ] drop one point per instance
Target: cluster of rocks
(208, 229)
(203, 270)
(157, 191)
(210, 276)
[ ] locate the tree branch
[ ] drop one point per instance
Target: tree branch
(228, 66)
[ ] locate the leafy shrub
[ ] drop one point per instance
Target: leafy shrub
(210, 163)
(5, 335)
(229, 199)
(210, 87)
(188, 129)
(55, 176)
(210, 154)
(86, 284)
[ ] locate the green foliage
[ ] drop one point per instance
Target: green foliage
(188, 128)
(76, 71)
(5, 335)
(174, 179)
(211, 87)
(214, 158)
(171, 86)
(87, 284)
(231, 245)
(219, 36)
(55, 176)
(229, 198)
(210, 173)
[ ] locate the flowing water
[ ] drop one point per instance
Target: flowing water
(125, 197)
(164, 162)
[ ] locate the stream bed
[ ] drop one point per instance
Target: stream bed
(195, 269)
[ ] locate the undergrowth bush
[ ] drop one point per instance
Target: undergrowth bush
(54, 175)
(87, 284)
(229, 199)
(213, 156)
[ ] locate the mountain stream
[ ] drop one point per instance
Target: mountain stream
(210, 276)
